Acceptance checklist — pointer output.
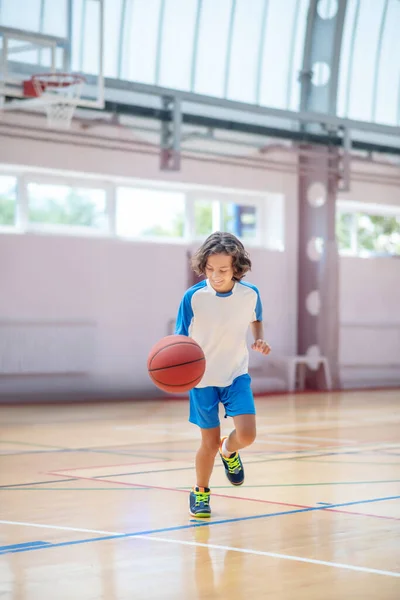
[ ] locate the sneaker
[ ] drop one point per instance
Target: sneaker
(199, 503)
(233, 466)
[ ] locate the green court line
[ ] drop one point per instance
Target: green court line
(30, 444)
(352, 462)
(91, 489)
(273, 485)
(72, 450)
(214, 487)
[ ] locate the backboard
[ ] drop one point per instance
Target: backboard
(50, 37)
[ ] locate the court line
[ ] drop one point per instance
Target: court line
(5, 453)
(87, 449)
(21, 485)
(230, 549)
(146, 534)
(215, 487)
(23, 545)
(73, 489)
(307, 458)
(352, 462)
(230, 497)
(312, 438)
(274, 485)
(117, 465)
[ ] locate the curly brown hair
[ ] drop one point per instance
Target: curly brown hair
(221, 242)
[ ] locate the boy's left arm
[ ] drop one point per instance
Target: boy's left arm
(260, 345)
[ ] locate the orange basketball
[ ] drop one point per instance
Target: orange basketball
(176, 363)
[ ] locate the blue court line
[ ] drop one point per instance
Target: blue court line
(200, 524)
(24, 546)
(325, 503)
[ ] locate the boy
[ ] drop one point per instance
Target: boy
(216, 312)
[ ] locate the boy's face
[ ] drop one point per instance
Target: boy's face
(219, 271)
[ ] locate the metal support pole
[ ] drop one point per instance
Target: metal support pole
(344, 183)
(318, 273)
(170, 156)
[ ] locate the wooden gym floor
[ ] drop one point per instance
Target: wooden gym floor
(93, 503)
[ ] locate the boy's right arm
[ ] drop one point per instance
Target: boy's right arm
(184, 316)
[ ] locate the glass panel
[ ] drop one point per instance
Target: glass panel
(8, 200)
(64, 205)
(140, 41)
(277, 54)
(243, 66)
(91, 38)
(23, 52)
(344, 228)
(77, 36)
(176, 58)
(366, 41)
(212, 47)
(346, 54)
(203, 218)
(240, 220)
(20, 14)
(112, 24)
(388, 99)
(55, 18)
(296, 63)
(149, 213)
(379, 234)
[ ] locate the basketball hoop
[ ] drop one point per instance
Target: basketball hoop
(61, 93)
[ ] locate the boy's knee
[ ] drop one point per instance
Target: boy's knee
(246, 436)
(211, 444)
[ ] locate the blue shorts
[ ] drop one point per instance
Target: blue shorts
(237, 399)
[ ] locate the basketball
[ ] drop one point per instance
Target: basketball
(176, 363)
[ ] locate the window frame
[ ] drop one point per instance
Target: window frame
(73, 183)
(363, 208)
(12, 228)
(26, 175)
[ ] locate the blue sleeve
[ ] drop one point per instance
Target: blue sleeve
(259, 309)
(185, 316)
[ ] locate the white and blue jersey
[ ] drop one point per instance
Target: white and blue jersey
(218, 322)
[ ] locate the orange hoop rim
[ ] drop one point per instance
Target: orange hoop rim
(57, 79)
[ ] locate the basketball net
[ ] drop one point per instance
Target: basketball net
(62, 92)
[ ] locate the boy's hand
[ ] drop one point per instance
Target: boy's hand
(261, 346)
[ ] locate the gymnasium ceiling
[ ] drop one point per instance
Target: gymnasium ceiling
(249, 51)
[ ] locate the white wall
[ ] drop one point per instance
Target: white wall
(370, 321)
(131, 290)
(128, 290)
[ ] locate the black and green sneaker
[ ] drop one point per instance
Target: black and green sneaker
(199, 503)
(233, 466)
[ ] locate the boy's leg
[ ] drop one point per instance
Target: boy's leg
(205, 457)
(239, 404)
(204, 413)
(243, 435)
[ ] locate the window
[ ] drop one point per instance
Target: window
(346, 232)
(379, 234)
(203, 217)
(150, 213)
(63, 202)
(8, 200)
(241, 220)
(66, 206)
(365, 234)
(214, 215)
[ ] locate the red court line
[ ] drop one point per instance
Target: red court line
(145, 462)
(170, 489)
